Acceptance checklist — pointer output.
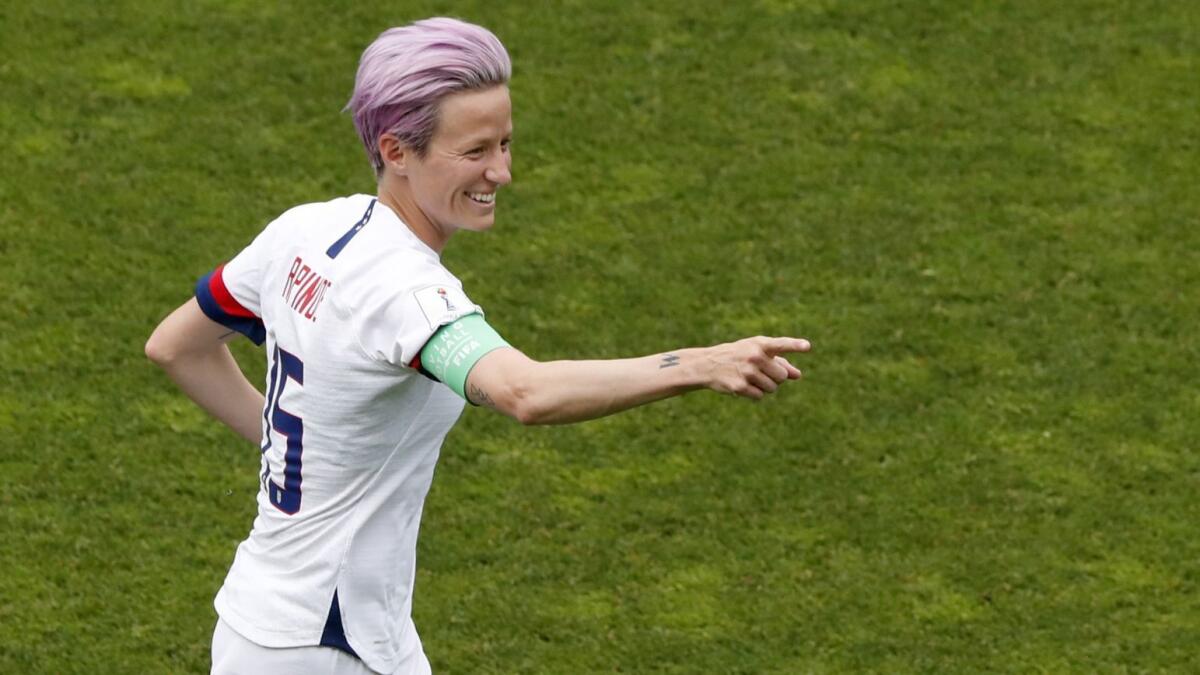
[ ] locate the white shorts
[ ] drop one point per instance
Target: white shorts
(233, 654)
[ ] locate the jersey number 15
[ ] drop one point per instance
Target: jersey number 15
(286, 498)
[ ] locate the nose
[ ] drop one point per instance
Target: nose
(499, 170)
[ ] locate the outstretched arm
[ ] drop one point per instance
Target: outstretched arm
(191, 348)
(557, 392)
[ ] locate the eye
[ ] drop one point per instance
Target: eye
(475, 152)
(505, 144)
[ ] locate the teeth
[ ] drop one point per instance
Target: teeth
(485, 197)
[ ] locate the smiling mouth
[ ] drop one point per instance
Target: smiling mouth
(482, 197)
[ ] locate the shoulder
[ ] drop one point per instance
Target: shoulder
(384, 253)
(332, 211)
(306, 227)
(385, 268)
(407, 281)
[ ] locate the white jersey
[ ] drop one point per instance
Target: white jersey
(345, 296)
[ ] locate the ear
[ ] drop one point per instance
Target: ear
(394, 153)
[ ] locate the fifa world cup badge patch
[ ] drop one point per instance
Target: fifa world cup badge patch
(442, 304)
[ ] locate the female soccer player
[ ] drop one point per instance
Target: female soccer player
(372, 349)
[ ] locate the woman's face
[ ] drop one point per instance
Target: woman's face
(455, 184)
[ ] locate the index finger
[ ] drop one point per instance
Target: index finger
(786, 345)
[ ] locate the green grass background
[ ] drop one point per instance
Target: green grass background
(979, 212)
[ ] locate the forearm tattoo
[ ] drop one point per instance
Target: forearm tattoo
(668, 360)
(480, 396)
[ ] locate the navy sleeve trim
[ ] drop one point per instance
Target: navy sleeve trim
(219, 305)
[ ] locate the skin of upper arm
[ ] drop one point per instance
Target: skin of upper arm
(498, 381)
(186, 330)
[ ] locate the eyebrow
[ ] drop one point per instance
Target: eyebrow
(473, 141)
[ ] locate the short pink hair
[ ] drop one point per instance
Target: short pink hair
(407, 71)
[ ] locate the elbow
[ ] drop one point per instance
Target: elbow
(160, 351)
(515, 386)
(523, 417)
(525, 406)
(529, 415)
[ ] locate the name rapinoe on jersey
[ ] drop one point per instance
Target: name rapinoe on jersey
(304, 289)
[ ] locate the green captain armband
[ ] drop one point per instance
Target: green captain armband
(456, 347)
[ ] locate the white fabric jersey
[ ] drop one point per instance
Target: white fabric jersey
(345, 296)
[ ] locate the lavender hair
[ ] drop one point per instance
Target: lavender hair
(408, 70)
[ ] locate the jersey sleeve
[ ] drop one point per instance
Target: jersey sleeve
(397, 330)
(231, 294)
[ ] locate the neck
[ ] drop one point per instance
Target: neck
(394, 193)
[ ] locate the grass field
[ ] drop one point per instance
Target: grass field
(978, 212)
